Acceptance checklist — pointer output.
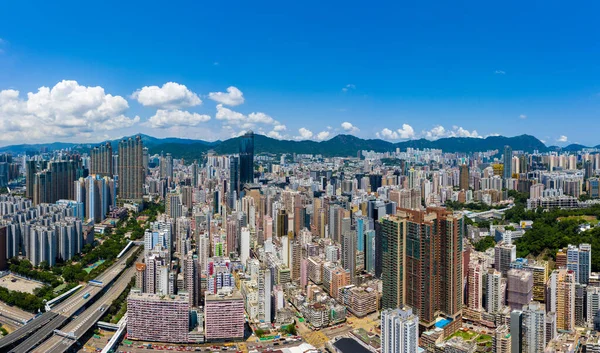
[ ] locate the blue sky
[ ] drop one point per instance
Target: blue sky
(393, 70)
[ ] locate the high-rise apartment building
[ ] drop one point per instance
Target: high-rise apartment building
(224, 315)
(158, 318)
(565, 299)
(131, 169)
(464, 177)
(399, 331)
(422, 262)
(534, 328)
(495, 294)
(520, 288)
(56, 181)
(101, 160)
(504, 254)
(501, 341)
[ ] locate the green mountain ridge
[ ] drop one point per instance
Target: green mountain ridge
(339, 145)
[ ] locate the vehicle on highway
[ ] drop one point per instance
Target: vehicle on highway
(86, 295)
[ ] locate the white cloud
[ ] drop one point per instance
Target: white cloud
(460, 132)
(439, 131)
(407, 132)
(171, 95)
(387, 134)
(305, 134)
(322, 135)
(348, 127)
(275, 134)
(169, 118)
(279, 127)
(348, 87)
(250, 121)
(562, 138)
(65, 110)
(260, 118)
(233, 96)
(523, 116)
(499, 72)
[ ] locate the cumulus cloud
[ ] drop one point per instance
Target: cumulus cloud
(499, 72)
(348, 87)
(275, 134)
(233, 96)
(439, 131)
(279, 127)
(171, 95)
(348, 127)
(168, 118)
(323, 135)
(65, 110)
(562, 138)
(305, 134)
(523, 116)
(406, 132)
(387, 134)
(250, 121)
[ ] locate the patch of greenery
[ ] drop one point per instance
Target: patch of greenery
(484, 243)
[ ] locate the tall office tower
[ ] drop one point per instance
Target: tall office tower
(56, 181)
(520, 288)
(247, 158)
(399, 331)
(495, 295)
(475, 285)
(101, 160)
(264, 294)
(464, 177)
(523, 163)
(234, 180)
(131, 169)
(190, 265)
(588, 169)
(565, 299)
(516, 331)
(422, 255)
(501, 341)
(166, 166)
(349, 252)
(370, 249)
(504, 254)
(534, 328)
(194, 173)
(580, 304)
(593, 304)
(507, 161)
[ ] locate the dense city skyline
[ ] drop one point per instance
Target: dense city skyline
(299, 177)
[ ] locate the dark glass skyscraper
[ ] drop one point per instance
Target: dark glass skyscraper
(247, 158)
(507, 161)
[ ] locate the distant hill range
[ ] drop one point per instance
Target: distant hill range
(340, 145)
